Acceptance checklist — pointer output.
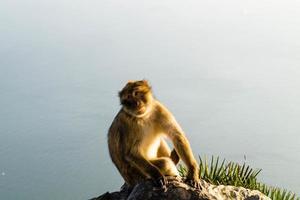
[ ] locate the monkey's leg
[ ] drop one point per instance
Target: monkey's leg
(132, 175)
(147, 167)
(144, 166)
(164, 151)
(165, 166)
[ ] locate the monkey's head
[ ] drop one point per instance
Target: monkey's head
(136, 97)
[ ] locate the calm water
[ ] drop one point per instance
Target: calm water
(229, 71)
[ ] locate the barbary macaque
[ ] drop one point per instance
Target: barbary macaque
(136, 139)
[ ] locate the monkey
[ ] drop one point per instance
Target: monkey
(136, 139)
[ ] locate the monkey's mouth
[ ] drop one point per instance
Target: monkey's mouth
(141, 110)
(139, 106)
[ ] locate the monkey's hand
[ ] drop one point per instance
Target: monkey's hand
(194, 183)
(161, 183)
(193, 178)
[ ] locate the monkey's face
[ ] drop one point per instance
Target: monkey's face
(136, 97)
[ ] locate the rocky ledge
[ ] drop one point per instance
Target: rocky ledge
(177, 189)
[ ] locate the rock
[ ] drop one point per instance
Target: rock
(176, 189)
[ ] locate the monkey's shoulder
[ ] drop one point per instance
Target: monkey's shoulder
(120, 122)
(161, 112)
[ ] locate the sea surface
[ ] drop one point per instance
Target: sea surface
(228, 70)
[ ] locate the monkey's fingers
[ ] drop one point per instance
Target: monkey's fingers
(192, 183)
(161, 183)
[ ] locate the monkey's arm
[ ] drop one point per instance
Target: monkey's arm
(184, 151)
(182, 146)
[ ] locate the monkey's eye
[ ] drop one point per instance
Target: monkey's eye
(136, 93)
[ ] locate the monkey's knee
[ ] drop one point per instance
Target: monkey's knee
(163, 149)
(165, 166)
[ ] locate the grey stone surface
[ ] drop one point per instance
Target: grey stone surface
(176, 189)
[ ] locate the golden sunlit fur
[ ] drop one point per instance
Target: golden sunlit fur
(136, 138)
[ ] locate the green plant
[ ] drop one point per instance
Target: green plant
(230, 173)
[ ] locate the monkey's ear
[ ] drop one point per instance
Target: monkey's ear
(130, 82)
(146, 82)
(120, 94)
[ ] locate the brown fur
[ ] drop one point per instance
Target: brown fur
(136, 138)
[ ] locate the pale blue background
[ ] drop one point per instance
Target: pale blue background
(228, 70)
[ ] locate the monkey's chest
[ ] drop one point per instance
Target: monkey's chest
(150, 145)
